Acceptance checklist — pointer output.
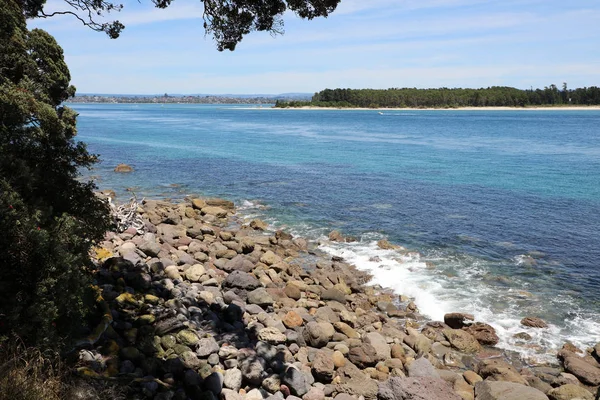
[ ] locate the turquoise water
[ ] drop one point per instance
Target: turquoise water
(501, 208)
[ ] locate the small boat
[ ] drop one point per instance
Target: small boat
(380, 113)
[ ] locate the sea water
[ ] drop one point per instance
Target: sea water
(500, 209)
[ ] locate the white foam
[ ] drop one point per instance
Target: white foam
(466, 284)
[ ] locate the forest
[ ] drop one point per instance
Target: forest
(495, 96)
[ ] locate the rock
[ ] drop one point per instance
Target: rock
(258, 225)
(187, 338)
(422, 388)
(216, 211)
(336, 236)
(333, 294)
(241, 280)
(421, 367)
(458, 320)
(292, 320)
(214, 383)
(149, 246)
(378, 342)
(344, 396)
(323, 366)
(233, 379)
(493, 390)
(534, 322)
(207, 346)
(385, 245)
(363, 356)
(397, 351)
(271, 335)
(228, 394)
(484, 333)
(346, 330)
(190, 360)
(314, 394)
(123, 168)
(421, 344)
(270, 258)
(260, 297)
(318, 334)
(585, 372)
(238, 263)
(272, 383)
(569, 392)
(194, 272)
(172, 272)
(471, 377)
(254, 394)
(295, 381)
(500, 370)
(338, 359)
(293, 292)
(198, 204)
(462, 341)
(253, 369)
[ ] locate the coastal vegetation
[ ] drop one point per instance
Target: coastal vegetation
(495, 96)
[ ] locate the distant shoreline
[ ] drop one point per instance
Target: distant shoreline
(573, 108)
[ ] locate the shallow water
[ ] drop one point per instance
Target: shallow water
(502, 207)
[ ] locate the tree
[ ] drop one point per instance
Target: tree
(227, 20)
(48, 219)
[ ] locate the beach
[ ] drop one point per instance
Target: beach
(206, 300)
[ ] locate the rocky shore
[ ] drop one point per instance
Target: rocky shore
(199, 304)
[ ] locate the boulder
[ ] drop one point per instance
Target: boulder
(241, 280)
(458, 320)
(421, 367)
(233, 379)
(484, 333)
(585, 372)
(534, 322)
(207, 346)
(258, 225)
(271, 335)
(570, 392)
(333, 294)
(462, 341)
(216, 211)
(380, 345)
(323, 366)
(318, 334)
(270, 258)
(422, 388)
(500, 370)
(493, 390)
(123, 168)
(260, 297)
(238, 263)
(363, 356)
(292, 320)
(194, 272)
(295, 380)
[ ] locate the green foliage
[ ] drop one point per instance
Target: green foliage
(452, 98)
(48, 219)
(227, 20)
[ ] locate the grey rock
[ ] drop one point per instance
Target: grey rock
(260, 297)
(238, 263)
(378, 342)
(421, 388)
(233, 379)
(207, 346)
(295, 380)
(318, 334)
(322, 366)
(241, 280)
(333, 294)
(497, 390)
(228, 394)
(253, 369)
(421, 367)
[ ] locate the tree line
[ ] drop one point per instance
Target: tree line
(495, 96)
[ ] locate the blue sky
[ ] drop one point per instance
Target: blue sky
(364, 44)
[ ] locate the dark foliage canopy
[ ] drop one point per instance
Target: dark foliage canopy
(228, 21)
(48, 218)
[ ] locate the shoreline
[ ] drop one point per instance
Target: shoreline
(559, 108)
(337, 334)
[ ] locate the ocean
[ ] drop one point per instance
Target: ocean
(500, 209)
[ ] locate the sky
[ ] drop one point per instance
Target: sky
(364, 44)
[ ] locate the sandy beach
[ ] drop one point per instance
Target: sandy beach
(574, 108)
